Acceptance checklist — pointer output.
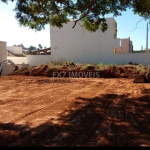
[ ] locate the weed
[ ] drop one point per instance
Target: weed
(58, 63)
(89, 66)
(111, 64)
(71, 63)
(100, 64)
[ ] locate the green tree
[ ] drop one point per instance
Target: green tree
(40, 46)
(35, 14)
(23, 47)
(32, 48)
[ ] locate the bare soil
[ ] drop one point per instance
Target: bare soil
(128, 71)
(52, 112)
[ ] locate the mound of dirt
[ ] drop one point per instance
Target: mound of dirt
(76, 72)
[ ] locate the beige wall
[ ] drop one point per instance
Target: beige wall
(3, 52)
(125, 45)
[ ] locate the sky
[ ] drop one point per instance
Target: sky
(13, 34)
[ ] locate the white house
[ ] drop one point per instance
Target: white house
(80, 45)
(14, 49)
(20, 61)
(3, 53)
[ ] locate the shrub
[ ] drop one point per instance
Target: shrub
(100, 64)
(111, 64)
(89, 66)
(60, 62)
(71, 63)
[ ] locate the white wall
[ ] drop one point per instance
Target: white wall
(3, 52)
(18, 60)
(35, 60)
(140, 58)
(79, 45)
(10, 48)
(118, 59)
(15, 49)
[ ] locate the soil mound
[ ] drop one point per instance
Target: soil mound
(76, 72)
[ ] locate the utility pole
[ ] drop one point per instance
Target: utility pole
(147, 36)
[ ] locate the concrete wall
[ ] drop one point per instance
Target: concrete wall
(79, 45)
(18, 60)
(35, 60)
(140, 58)
(15, 49)
(118, 59)
(3, 52)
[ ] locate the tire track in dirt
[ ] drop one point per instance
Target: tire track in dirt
(24, 140)
(31, 102)
(90, 128)
(27, 99)
(17, 102)
(111, 112)
(27, 138)
(57, 89)
(115, 113)
(87, 126)
(51, 104)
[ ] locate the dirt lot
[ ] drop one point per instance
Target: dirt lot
(44, 111)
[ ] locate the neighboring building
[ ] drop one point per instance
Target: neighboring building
(80, 45)
(3, 54)
(15, 51)
(20, 61)
(126, 46)
(45, 51)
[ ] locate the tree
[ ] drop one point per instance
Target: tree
(21, 45)
(32, 48)
(35, 14)
(40, 46)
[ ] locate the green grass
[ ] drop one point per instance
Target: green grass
(111, 64)
(71, 63)
(100, 64)
(89, 66)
